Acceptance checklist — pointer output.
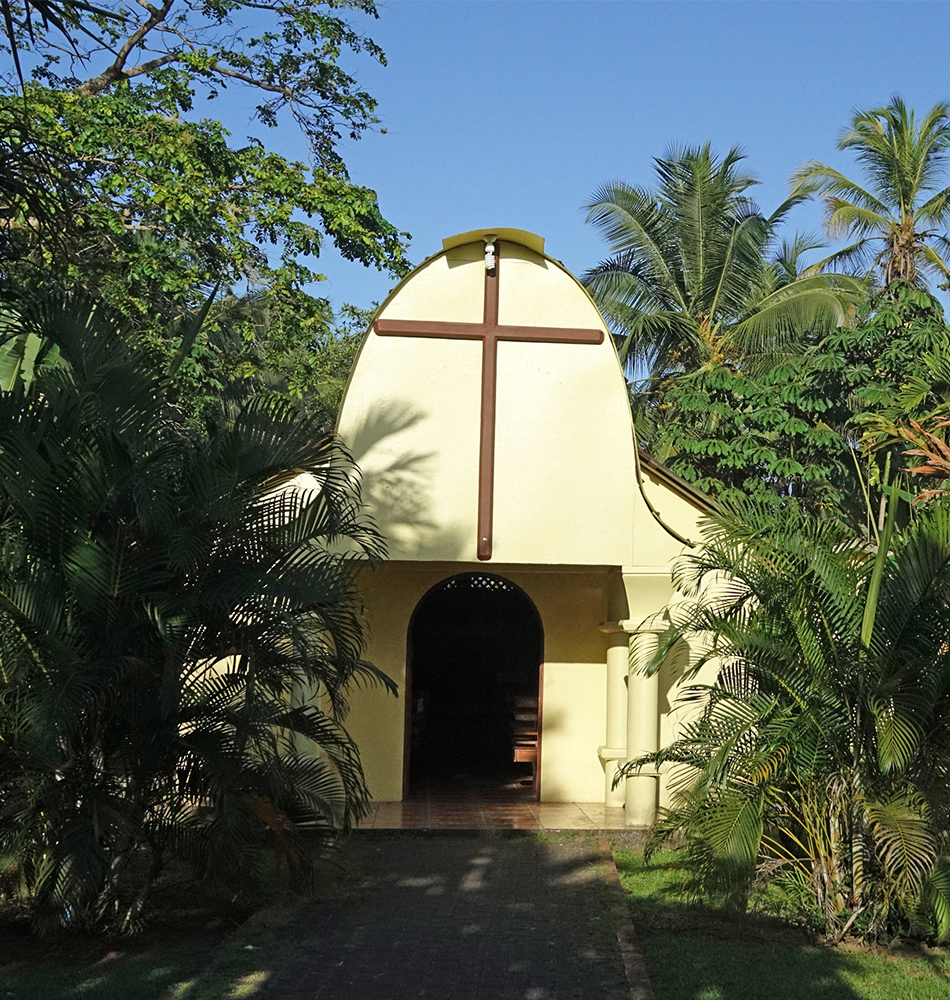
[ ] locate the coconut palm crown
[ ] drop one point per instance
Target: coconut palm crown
(897, 221)
(697, 274)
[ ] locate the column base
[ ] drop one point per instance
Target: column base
(640, 800)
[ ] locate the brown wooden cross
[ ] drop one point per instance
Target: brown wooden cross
(489, 333)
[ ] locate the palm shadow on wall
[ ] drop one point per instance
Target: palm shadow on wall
(398, 484)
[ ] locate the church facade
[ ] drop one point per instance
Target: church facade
(530, 546)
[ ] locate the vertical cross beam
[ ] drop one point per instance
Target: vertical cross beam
(486, 441)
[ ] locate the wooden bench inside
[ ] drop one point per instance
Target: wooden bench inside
(524, 732)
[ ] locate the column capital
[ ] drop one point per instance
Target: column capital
(631, 627)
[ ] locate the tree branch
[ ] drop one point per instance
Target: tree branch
(117, 70)
(255, 82)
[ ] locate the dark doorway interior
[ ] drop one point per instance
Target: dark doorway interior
(475, 651)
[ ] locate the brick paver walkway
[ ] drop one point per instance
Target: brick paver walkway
(462, 918)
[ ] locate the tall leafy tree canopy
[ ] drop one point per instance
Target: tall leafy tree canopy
(716, 324)
(814, 424)
(179, 621)
(815, 758)
(149, 201)
(112, 181)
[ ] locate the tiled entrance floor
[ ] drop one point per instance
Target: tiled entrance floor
(467, 804)
(434, 814)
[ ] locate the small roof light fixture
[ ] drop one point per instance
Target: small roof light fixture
(490, 259)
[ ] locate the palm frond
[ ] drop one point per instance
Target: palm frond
(816, 178)
(179, 625)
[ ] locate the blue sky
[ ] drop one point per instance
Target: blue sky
(511, 112)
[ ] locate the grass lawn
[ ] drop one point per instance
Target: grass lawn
(698, 953)
(161, 962)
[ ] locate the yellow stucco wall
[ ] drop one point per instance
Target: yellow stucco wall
(564, 468)
(571, 605)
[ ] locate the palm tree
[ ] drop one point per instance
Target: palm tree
(178, 628)
(897, 221)
(821, 758)
(697, 275)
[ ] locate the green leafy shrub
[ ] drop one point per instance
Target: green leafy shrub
(179, 625)
(820, 753)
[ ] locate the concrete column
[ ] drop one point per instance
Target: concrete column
(616, 737)
(643, 731)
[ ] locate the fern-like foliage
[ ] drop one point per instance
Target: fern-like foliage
(822, 748)
(179, 625)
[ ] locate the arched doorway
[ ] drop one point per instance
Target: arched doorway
(473, 710)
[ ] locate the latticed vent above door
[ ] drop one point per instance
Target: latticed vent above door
(478, 581)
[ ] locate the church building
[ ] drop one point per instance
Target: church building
(530, 545)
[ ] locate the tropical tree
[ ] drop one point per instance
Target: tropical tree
(286, 55)
(112, 179)
(782, 431)
(179, 624)
(698, 276)
(897, 220)
(59, 16)
(819, 760)
(805, 426)
(280, 341)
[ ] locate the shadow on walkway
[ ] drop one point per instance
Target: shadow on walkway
(461, 917)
